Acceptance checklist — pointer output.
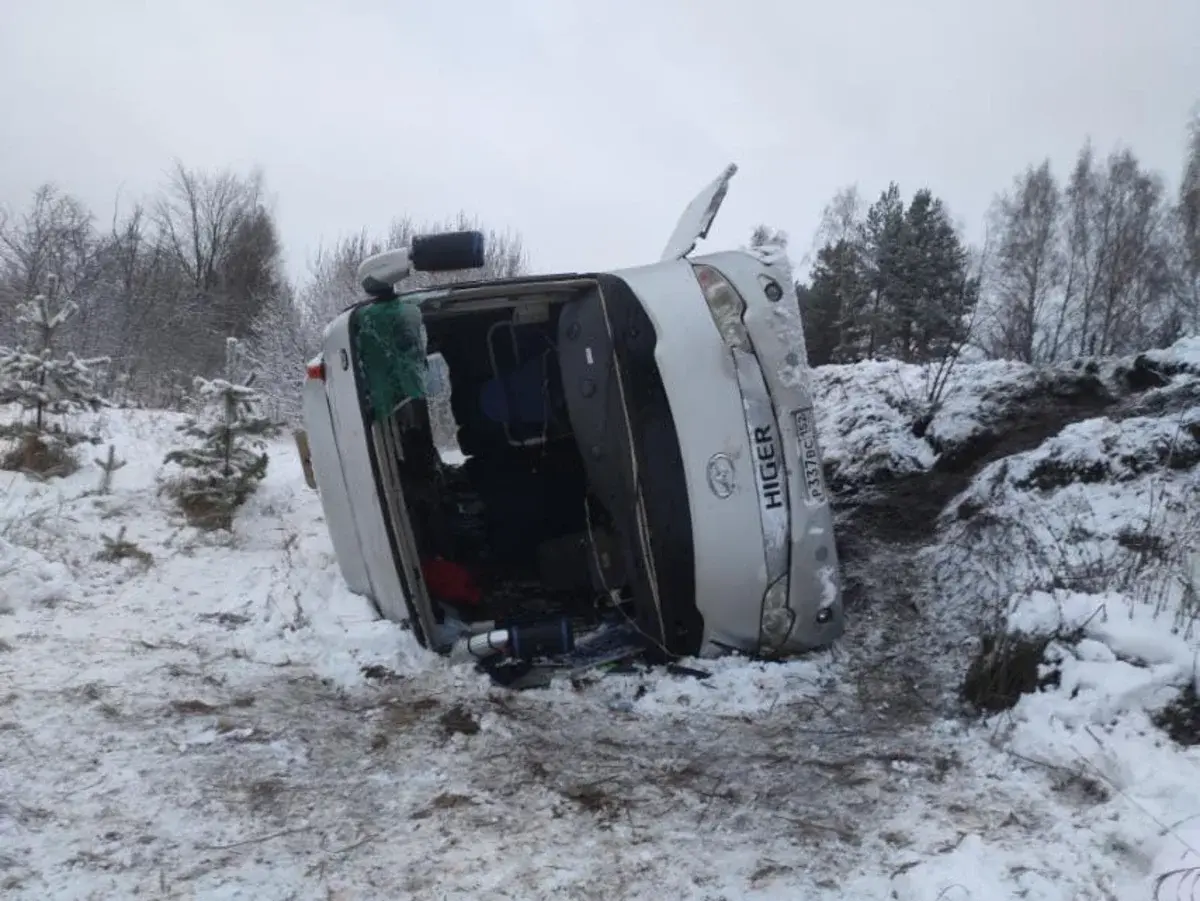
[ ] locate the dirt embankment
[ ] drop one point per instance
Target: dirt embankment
(885, 521)
(904, 509)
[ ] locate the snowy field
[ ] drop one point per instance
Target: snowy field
(216, 717)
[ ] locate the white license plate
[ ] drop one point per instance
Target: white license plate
(810, 457)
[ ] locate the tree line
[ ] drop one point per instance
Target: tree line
(1105, 261)
(159, 288)
(156, 289)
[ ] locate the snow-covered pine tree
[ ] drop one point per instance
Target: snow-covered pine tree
(228, 457)
(43, 384)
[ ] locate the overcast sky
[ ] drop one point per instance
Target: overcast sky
(586, 126)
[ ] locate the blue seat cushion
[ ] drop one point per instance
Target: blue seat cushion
(519, 397)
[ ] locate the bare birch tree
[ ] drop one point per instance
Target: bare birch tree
(1027, 268)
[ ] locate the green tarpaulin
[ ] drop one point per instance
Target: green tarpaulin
(389, 343)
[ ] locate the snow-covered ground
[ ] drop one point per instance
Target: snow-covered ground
(221, 719)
